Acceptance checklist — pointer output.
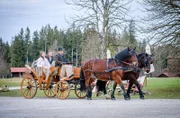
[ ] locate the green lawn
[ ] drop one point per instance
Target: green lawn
(164, 88)
(10, 82)
(157, 88)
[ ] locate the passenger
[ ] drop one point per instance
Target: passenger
(43, 63)
(61, 61)
(50, 57)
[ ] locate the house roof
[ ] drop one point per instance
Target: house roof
(22, 69)
(168, 74)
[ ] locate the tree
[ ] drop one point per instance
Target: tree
(27, 44)
(3, 62)
(101, 15)
(35, 46)
(132, 38)
(164, 21)
(3, 67)
(128, 38)
(42, 36)
(16, 52)
(22, 48)
(6, 53)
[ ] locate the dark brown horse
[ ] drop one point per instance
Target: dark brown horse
(144, 60)
(103, 69)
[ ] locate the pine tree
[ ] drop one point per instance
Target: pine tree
(42, 36)
(16, 52)
(4, 70)
(6, 53)
(27, 45)
(132, 39)
(35, 46)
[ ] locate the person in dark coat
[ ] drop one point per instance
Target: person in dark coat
(61, 61)
(60, 58)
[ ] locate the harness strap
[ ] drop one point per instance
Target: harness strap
(114, 62)
(93, 66)
(126, 63)
(92, 72)
(112, 69)
(107, 67)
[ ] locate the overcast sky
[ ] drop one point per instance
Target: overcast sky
(17, 14)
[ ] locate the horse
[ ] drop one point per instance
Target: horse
(144, 61)
(107, 69)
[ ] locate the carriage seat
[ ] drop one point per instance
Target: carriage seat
(77, 73)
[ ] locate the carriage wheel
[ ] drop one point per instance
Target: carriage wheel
(80, 94)
(62, 89)
(50, 92)
(28, 87)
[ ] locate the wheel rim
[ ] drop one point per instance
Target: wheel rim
(28, 88)
(80, 94)
(50, 92)
(62, 89)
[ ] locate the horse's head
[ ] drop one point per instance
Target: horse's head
(145, 60)
(132, 56)
(149, 58)
(127, 55)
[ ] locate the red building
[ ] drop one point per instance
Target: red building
(18, 72)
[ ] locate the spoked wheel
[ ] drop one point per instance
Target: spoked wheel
(80, 94)
(62, 89)
(50, 92)
(28, 87)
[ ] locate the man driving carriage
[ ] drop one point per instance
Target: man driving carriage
(61, 61)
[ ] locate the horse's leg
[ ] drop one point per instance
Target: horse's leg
(124, 93)
(139, 88)
(88, 87)
(105, 91)
(112, 93)
(119, 81)
(129, 89)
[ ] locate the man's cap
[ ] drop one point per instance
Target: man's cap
(60, 49)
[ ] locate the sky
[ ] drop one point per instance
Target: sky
(17, 14)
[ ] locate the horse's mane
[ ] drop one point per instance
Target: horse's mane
(124, 54)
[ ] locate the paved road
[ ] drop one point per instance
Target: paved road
(19, 107)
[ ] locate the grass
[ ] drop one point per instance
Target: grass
(165, 88)
(11, 82)
(158, 88)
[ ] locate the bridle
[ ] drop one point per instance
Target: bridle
(144, 61)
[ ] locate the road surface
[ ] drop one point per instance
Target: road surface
(19, 107)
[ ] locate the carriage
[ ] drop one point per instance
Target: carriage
(34, 79)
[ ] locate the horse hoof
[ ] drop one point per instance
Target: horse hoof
(89, 98)
(127, 98)
(113, 99)
(142, 97)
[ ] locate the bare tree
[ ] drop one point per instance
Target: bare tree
(3, 67)
(101, 15)
(164, 20)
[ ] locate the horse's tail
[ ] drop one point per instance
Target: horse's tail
(82, 80)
